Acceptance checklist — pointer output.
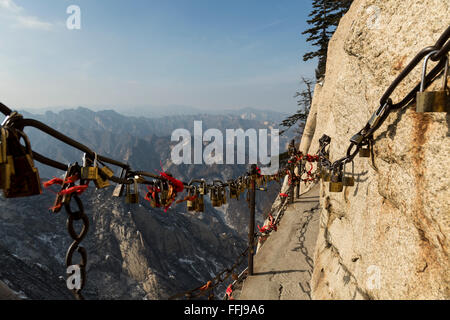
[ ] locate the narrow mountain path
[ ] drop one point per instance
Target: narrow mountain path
(284, 264)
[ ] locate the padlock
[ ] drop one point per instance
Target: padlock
(164, 195)
(223, 194)
(215, 201)
(190, 201)
(6, 162)
(102, 182)
(233, 189)
(265, 181)
(118, 190)
(349, 181)
(6, 171)
(259, 181)
(132, 196)
(154, 198)
(202, 188)
(364, 152)
(24, 178)
(325, 174)
(3, 149)
(433, 101)
(89, 172)
(336, 182)
(199, 203)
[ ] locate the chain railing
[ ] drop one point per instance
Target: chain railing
(20, 178)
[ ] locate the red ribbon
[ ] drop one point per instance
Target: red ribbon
(206, 286)
(75, 189)
(178, 186)
(52, 182)
(229, 292)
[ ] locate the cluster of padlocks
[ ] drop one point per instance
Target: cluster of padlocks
(18, 175)
(197, 189)
(426, 101)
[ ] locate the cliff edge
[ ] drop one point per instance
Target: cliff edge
(386, 237)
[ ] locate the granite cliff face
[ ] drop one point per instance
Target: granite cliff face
(388, 236)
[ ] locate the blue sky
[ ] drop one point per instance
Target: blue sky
(206, 54)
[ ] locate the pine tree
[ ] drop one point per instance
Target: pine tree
(324, 19)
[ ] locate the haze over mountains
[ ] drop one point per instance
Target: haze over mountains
(134, 251)
(173, 110)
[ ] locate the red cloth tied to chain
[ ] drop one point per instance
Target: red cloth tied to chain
(269, 227)
(187, 198)
(60, 181)
(75, 189)
(68, 190)
(70, 180)
(152, 195)
(175, 187)
(311, 158)
(229, 292)
(53, 181)
(178, 186)
(284, 195)
(271, 222)
(206, 286)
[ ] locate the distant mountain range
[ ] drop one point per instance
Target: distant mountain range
(174, 110)
(135, 252)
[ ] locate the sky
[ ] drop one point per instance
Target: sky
(207, 54)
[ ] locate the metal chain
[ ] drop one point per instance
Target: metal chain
(78, 276)
(364, 138)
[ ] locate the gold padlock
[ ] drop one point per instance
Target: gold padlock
(132, 196)
(433, 101)
(364, 152)
(259, 181)
(233, 191)
(24, 179)
(202, 188)
(3, 149)
(6, 170)
(349, 181)
(263, 186)
(215, 201)
(325, 174)
(154, 198)
(223, 193)
(6, 162)
(89, 172)
(336, 182)
(102, 182)
(164, 198)
(200, 203)
(190, 203)
(118, 190)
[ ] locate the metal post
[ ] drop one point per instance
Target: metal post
(251, 225)
(291, 152)
(291, 190)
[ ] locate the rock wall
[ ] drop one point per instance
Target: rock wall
(388, 236)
